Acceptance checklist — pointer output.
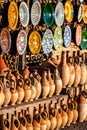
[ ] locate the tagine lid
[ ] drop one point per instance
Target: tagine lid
(3, 66)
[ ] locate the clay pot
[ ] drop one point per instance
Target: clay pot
(27, 90)
(45, 85)
(20, 91)
(14, 123)
(75, 112)
(58, 82)
(22, 121)
(38, 88)
(5, 123)
(48, 124)
(2, 96)
(26, 72)
(65, 72)
(51, 84)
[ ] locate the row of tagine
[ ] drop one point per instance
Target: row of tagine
(32, 85)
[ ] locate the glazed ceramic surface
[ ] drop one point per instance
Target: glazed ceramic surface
(67, 36)
(58, 40)
(36, 13)
(59, 14)
(85, 14)
(69, 12)
(21, 42)
(84, 39)
(81, 0)
(5, 40)
(13, 15)
(47, 41)
(34, 42)
(24, 14)
(78, 35)
(80, 12)
(48, 14)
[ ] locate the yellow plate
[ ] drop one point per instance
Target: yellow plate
(69, 12)
(84, 14)
(13, 15)
(34, 42)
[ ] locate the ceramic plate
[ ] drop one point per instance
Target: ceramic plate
(36, 13)
(13, 15)
(69, 12)
(80, 12)
(81, 1)
(84, 40)
(67, 36)
(47, 41)
(24, 14)
(34, 42)
(48, 14)
(58, 40)
(78, 35)
(59, 14)
(21, 42)
(5, 40)
(85, 14)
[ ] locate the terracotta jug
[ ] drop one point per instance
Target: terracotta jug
(83, 70)
(65, 72)
(22, 121)
(7, 92)
(27, 90)
(14, 93)
(75, 112)
(29, 125)
(38, 88)
(52, 117)
(26, 72)
(20, 90)
(5, 123)
(45, 85)
(14, 123)
(36, 120)
(58, 82)
(2, 96)
(51, 83)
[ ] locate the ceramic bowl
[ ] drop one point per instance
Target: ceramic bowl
(84, 40)
(78, 35)
(80, 13)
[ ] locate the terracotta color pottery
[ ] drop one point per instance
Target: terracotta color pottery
(22, 120)
(2, 96)
(65, 72)
(14, 123)
(51, 84)
(26, 72)
(5, 124)
(75, 112)
(38, 88)
(58, 82)
(48, 124)
(45, 85)
(3, 66)
(85, 13)
(27, 90)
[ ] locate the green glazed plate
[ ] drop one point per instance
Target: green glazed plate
(84, 40)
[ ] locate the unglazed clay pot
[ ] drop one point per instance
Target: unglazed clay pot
(75, 112)
(51, 84)
(22, 120)
(45, 85)
(27, 90)
(2, 96)
(5, 123)
(38, 88)
(14, 123)
(26, 72)
(48, 124)
(65, 72)
(58, 82)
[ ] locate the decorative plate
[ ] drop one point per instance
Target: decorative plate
(47, 41)
(78, 35)
(34, 42)
(80, 13)
(67, 36)
(59, 14)
(81, 1)
(5, 40)
(36, 13)
(58, 40)
(69, 12)
(13, 15)
(48, 14)
(24, 14)
(21, 42)
(84, 39)
(85, 14)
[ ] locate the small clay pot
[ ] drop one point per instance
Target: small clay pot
(14, 123)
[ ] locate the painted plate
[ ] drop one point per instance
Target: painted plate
(48, 14)
(47, 41)
(78, 35)
(69, 12)
(36, 13)
(24, 14)
(21, 42)
(5, 40)
(80, 13)
(67, 36)
(58, 40)
(85, 14)
(84, 40)
(34, 42)
(13, 15)
(59, 14)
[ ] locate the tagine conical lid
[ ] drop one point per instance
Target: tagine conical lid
(3, 66)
